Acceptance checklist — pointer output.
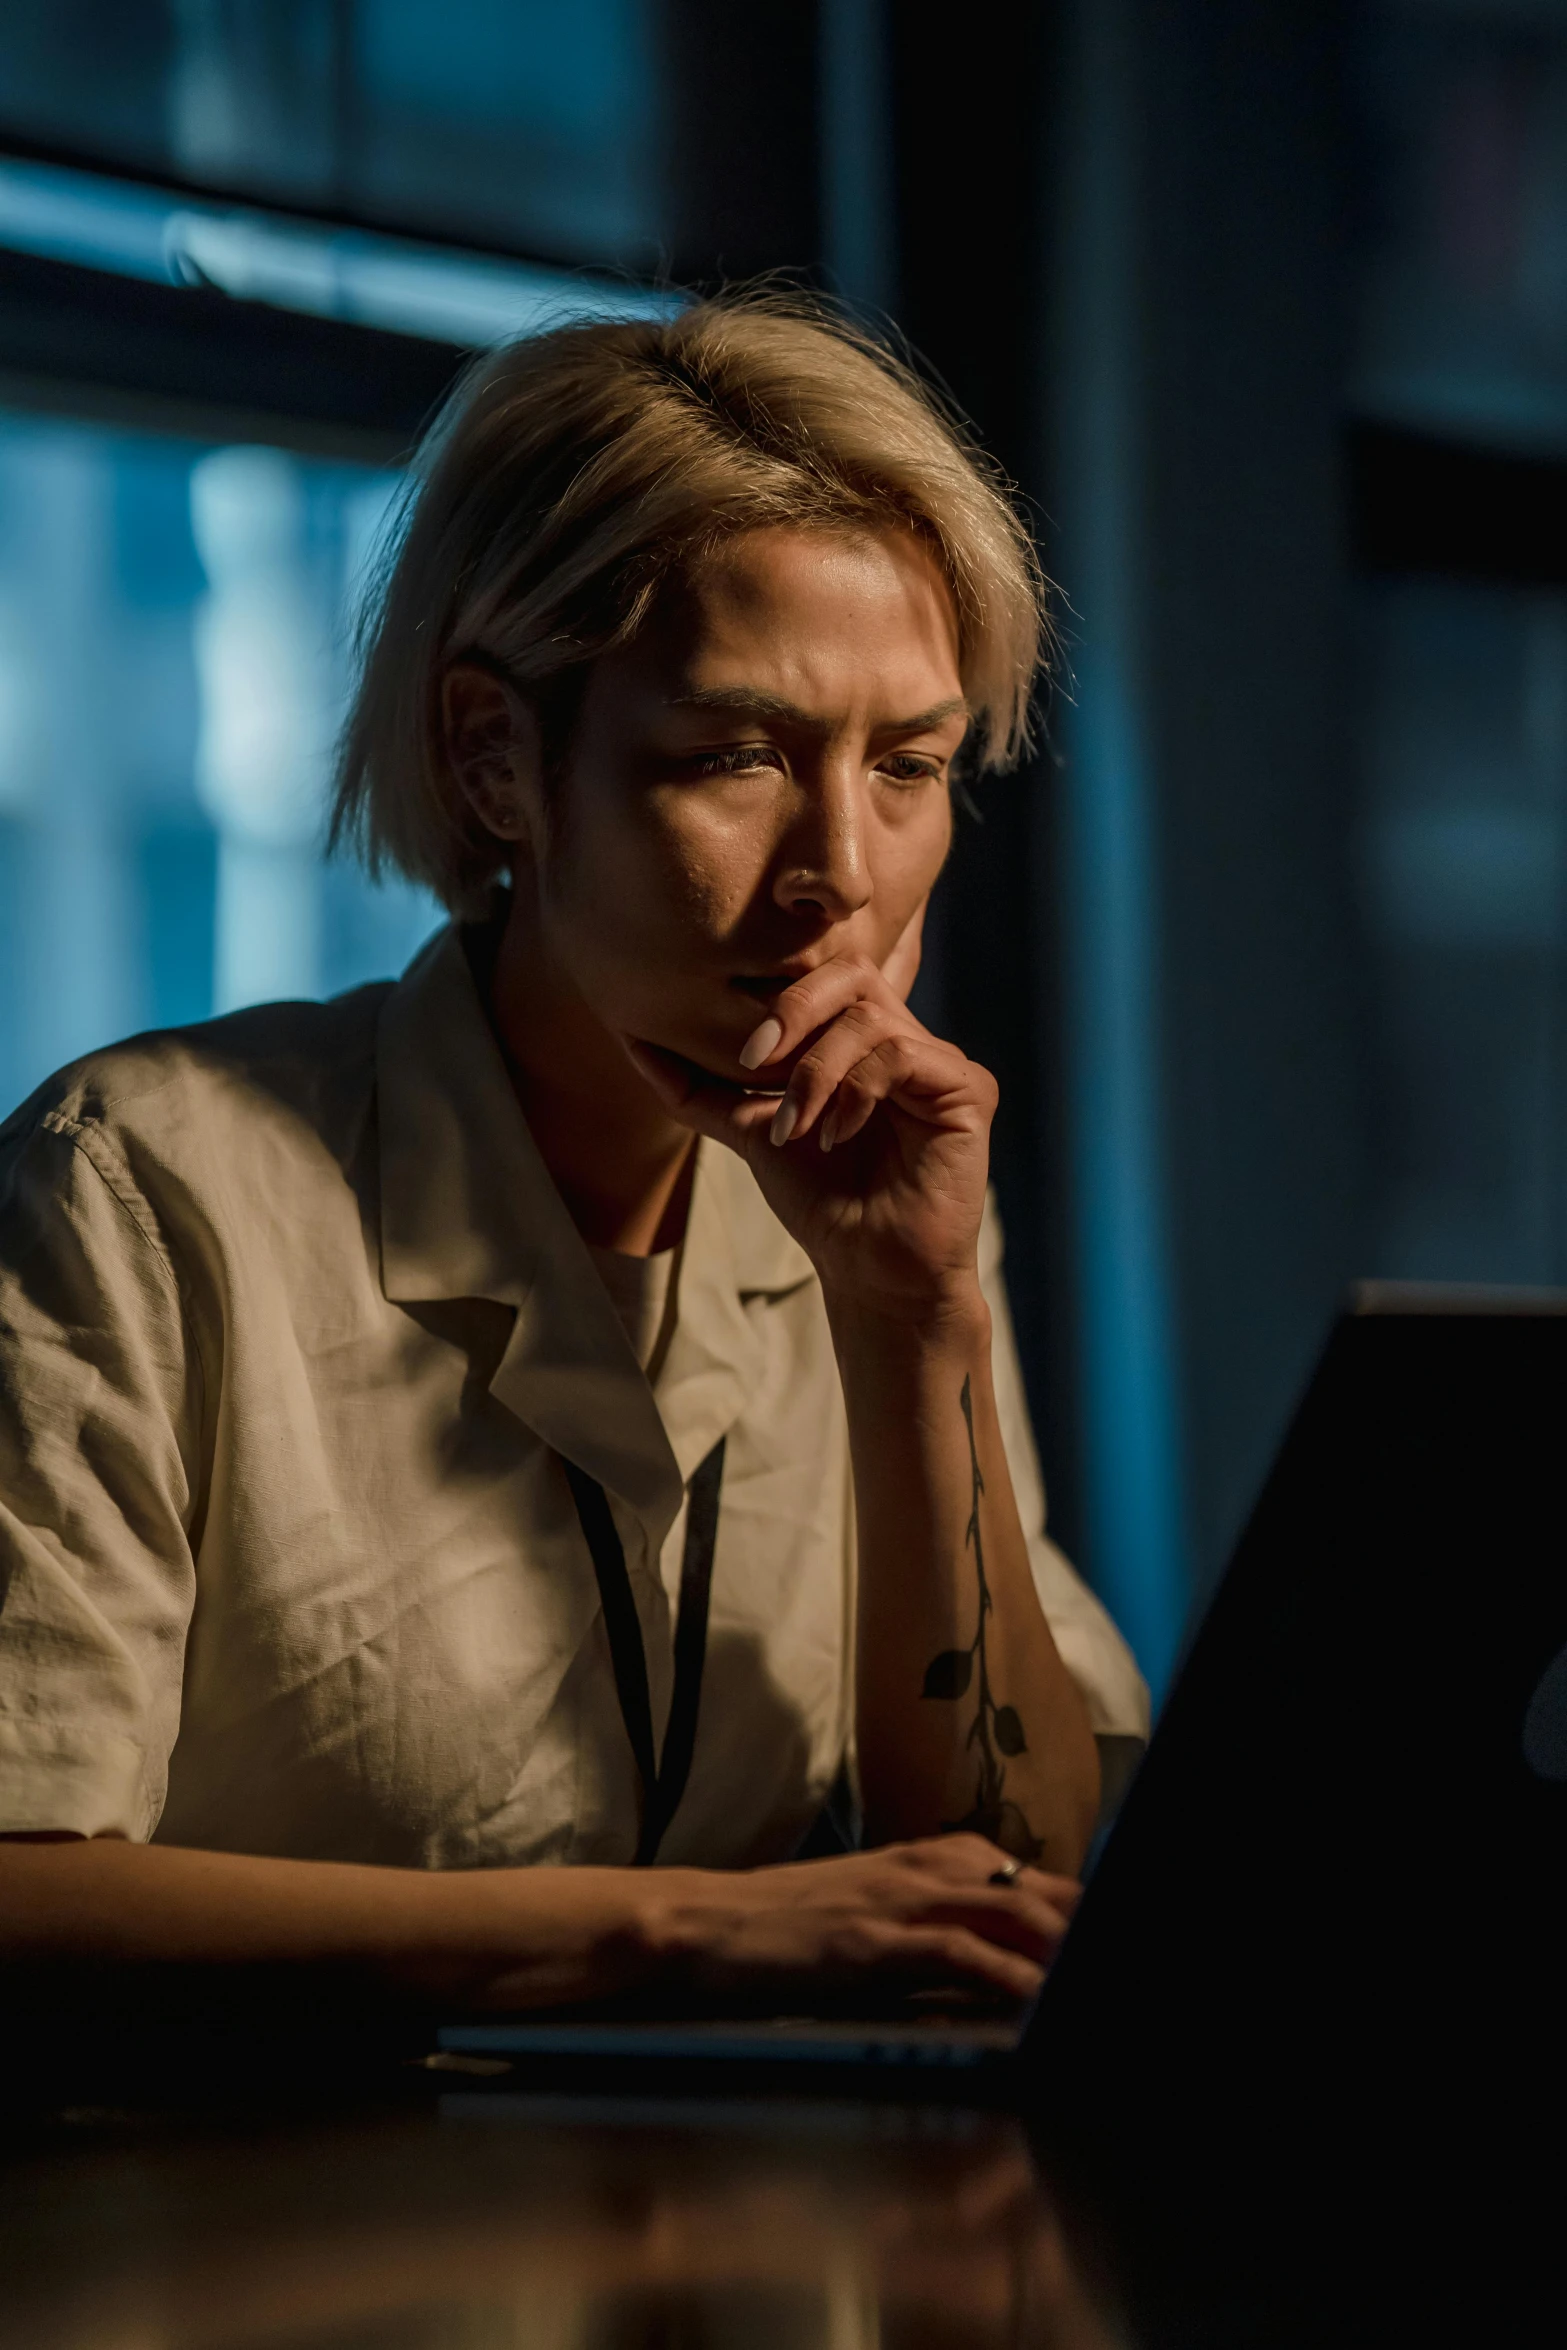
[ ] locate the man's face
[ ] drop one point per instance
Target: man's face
(758, 783)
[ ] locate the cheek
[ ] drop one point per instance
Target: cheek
(644, 881)
(715, 861)
(936, 842)
(912, 857)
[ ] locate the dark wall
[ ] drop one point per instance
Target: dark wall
(971, 149)
(1244, 202)
(740, 146)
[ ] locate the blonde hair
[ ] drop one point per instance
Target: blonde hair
(570, 474)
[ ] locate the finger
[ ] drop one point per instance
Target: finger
(1063, 1893)
(929, 1079)
(951, 1879)
(968, 1859)
(795, 1015)
(827, 1060)
(1013, 1920)
(951, 1954)
(880, 1055)
(708, 1105)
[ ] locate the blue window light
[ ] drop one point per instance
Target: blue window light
(175, 644)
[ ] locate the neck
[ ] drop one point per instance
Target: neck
(620, 1163)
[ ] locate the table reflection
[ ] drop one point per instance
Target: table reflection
(495, 2221)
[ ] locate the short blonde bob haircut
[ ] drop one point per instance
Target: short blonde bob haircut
(570, 475)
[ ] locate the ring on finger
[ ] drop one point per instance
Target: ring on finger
(1008, 1873)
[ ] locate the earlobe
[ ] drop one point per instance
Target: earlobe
(496, 801)
(491, 741)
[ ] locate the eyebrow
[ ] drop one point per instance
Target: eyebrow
(753, 701)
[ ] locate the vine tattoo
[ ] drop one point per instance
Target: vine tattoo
(997, 1730)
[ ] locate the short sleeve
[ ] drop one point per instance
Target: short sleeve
(1092, 1650)
(100, 1409)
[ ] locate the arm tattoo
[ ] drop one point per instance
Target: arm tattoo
(996, 1730)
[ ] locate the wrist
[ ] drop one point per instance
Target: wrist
(536, 1937)
(949, 1322)
(685, 1918)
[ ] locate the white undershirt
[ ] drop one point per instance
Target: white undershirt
(641, 1290)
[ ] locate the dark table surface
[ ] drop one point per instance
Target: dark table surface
(444, 2213)
(493, 2220)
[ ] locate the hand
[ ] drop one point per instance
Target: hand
(914, 1915)
(875, 1154)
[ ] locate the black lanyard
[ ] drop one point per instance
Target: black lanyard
(663, 1783)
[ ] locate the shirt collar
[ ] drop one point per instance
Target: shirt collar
(468, 1209)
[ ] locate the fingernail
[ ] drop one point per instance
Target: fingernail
(759, 1044)
(827, 1132)
(786, 1120)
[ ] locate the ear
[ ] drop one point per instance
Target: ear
(491, 738)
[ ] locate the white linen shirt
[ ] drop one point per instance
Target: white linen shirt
(294, 1331)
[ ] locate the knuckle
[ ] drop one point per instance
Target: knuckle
(916, 1883)
(866, 1942)
(888, 1889)
(864, 1024)
(1045, 1928)
(930, 1855)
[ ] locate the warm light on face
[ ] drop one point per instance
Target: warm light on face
(759, 783)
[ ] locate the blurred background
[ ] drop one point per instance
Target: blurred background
(1264, 307)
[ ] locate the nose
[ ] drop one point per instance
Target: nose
(822, 870)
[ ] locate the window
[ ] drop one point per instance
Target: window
(1461, 369)
(173, 664)
(226, 310)
(1464, 872)
(521, 123)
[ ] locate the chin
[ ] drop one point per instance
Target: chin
(722, 1061)
(710, 1043)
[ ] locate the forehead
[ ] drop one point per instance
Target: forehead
(810, 610)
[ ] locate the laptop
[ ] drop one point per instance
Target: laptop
(1351, 1821)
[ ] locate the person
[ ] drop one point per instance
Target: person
(557, 1413)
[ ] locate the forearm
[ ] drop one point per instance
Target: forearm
(498, 1939)
(487, 1938)
(944, 1575)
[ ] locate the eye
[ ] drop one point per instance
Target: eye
(743, 759)
(908, 769)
